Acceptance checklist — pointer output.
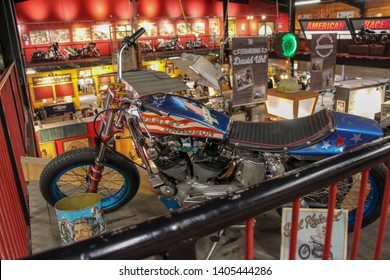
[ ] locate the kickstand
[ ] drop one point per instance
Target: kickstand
(215, 239)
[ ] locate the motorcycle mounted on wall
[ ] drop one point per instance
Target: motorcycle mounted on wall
(53, 53)
(147, 46)
(169, 45)
(89, 50)
(197, 43)
(200, 153)
(367, 36)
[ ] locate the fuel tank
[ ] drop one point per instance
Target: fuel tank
(188, 117)
(351, 131)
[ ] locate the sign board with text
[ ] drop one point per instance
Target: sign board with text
(250, 70)
(323, 61)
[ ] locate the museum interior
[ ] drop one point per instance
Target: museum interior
(158, 106)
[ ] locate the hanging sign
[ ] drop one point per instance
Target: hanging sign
(323, 61)
(378, 25)
(323, 26)
(250, 70)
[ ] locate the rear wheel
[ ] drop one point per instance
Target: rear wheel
(347, 196)
(67, 175)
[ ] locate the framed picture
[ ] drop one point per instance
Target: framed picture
(60, 35)
(166, 29)
(214, 30)
(243, 78)
(340, 106)
(47, 150)
(199, 27)
(101, 32)
(169, 69)
(183, 28)
(72, 144)
(81, 34)
(123, 30)
(150, 27)
(39, 37)
(311, 234)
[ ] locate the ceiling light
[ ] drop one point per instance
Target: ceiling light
(301, 3)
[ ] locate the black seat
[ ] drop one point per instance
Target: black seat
(282, 136)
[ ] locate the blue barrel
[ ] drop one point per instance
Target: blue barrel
(80, 217)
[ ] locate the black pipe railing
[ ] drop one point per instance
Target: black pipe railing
(173, 236)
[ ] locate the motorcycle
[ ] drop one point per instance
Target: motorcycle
(147, 46)
(89, 50)
(53, 53)
(200, 153)
(170, 45)
(367, 36)
(314, 248)
(195, 44)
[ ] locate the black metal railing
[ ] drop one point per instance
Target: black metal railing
(174, 236)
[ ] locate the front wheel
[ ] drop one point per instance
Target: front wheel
(96, 53)
(67, 175)
(304, 252)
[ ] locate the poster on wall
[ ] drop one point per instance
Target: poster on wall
(81, 34)
(166, 29)
(250, 70)
(101, 32)
(122, 31)
(150, 28)
(214, 30)
(47, 150)
(60, 35)
(323, 61)
(312, 225)
(39, 37)
(199, 27)
(183, 28)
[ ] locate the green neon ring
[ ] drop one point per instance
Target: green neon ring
(289, 45)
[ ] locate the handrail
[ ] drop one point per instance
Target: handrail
(167, 233)
(6, 75)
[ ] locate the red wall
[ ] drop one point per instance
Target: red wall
(80, 10)
(69, 14)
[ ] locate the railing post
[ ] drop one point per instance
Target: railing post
(382, 223)
(249, 240)
(329, 221)
(359, 214)
(294, 229)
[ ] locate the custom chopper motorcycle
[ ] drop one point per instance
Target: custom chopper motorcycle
(53, 53)
(170, 45)
(200, 153)
(88, 50)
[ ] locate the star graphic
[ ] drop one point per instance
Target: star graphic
(340, 141)
(326, 145)
(356, 138)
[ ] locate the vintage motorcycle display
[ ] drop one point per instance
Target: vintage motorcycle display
(53, 53)
(147, 46)
(89, 50)
(367, 36)
(170, 45)
(200, 153)
(197, 43)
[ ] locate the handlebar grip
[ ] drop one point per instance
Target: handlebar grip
(130, 40)
(159, 111)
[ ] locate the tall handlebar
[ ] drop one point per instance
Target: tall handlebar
(128, 42)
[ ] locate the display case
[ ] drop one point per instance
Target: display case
(361, 97)
(284, 105)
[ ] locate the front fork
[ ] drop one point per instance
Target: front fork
(105, 130)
